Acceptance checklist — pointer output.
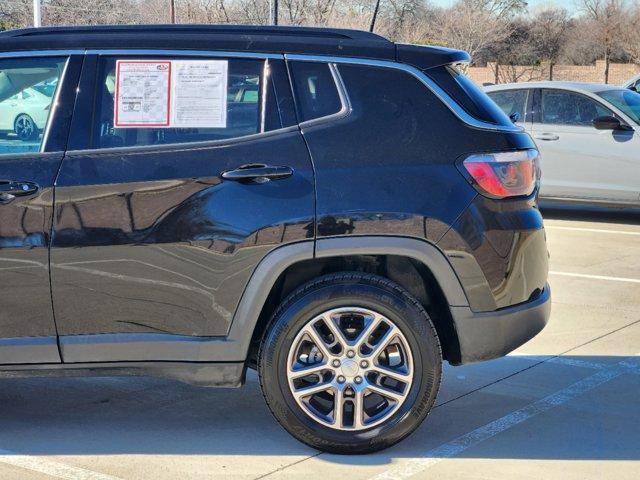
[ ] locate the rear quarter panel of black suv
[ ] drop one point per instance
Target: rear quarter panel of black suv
(389, 168)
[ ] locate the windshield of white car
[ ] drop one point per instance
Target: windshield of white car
(45, 88)
(625, 100)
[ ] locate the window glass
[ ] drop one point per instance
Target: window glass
(315, 90)
(249, 103)
(25, 101)
(511, 102)
(467, 94)
(566, 108)
(625, 100)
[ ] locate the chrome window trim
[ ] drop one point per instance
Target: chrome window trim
(18, 155)
(182, 146)
(41, 53)
(345, 103)
(183, 53)
(457, 110)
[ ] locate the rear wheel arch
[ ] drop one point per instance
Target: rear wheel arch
(416, 265)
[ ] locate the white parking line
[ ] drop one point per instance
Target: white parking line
(473, 438)
(595, 277)
(591, 230)
(571, 362)
(50, 467)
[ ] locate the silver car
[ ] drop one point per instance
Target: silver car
(633, 83)
(588, 134)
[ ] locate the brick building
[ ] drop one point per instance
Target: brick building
(618, 73)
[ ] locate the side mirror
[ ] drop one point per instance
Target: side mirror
(608, 122)
(515, 117)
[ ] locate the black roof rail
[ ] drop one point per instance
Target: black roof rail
(230, 38)
(205, 29)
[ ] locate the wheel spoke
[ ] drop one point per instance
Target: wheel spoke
(338, 407)
(312, 390)
(317, 340)
(337, 333)
(384, 341)
(386, 392)
(394, 374)
(367, 331)
(358, 410)
(310, 370)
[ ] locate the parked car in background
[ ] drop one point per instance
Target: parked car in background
(588, 136)
(26, 112)
(633, 83)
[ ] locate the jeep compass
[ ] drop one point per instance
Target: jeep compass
(337, 211)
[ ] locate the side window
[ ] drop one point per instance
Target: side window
(566, 108)
(149, 101)
(315, 90)
(511, 102)
(24, 102)
(467, 95)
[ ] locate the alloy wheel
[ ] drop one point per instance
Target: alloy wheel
(350, 368)
(24, 127)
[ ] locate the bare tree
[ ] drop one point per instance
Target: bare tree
(16, 14)
(548, 33)
(631, 35)
(606, 24)
(473, 25)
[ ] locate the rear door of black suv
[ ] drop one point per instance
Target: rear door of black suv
(157, 229)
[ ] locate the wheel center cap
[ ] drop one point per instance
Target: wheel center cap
(349, 368)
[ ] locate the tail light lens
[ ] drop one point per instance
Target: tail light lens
(504, 174)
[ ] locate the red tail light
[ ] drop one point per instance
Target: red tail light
(504, 174)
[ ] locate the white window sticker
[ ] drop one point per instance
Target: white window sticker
(143, 94)
(171, 93)
(199, 93)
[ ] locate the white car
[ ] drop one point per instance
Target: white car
(588, 135)
(633, 84)
(26, 112)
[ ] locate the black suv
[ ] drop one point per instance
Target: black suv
(339, 212)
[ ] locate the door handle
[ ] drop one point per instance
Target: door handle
(9, 190)
(547, 136)
(258, 173)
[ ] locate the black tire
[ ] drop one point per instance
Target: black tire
(25, 128)
(365, 291)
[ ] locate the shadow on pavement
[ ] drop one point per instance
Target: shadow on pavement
(106, 416)
(629, 216)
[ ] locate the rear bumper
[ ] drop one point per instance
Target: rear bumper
(487, 335)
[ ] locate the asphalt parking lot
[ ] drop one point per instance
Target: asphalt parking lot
(566, 405)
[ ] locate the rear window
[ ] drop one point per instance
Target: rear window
(473, 100)
(315, 90)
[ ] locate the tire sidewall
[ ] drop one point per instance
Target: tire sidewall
(394, 305)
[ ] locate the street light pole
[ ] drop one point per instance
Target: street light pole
(37, 14)
(274, 12)
(172, 10)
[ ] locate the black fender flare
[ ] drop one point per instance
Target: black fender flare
(237, 344)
